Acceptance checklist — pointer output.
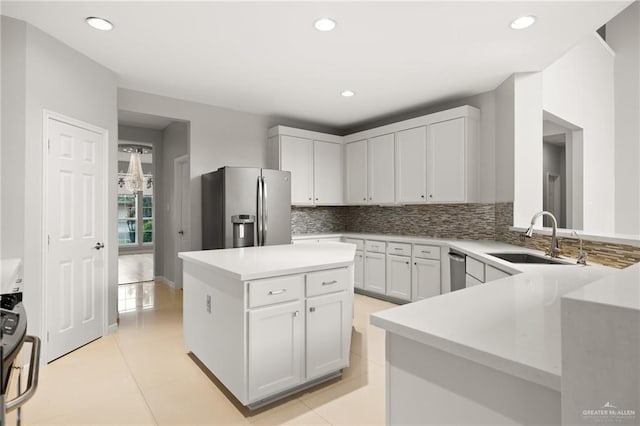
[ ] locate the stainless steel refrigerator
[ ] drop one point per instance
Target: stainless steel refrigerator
(244, 206)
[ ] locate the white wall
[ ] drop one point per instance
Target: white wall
(60, 79)
(578, 88)
(623, 35)
(527, 191)
(12, 160)
(504, 145)
(175, 141)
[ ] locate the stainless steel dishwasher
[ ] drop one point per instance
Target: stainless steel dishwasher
(457, 262)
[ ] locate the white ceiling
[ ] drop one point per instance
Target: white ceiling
(147, 121)
(266, 57)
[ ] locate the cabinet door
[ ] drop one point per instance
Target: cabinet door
(327, 175)
(296, 156)
(356, 172)
(492, 274)
(426, 278)
(374, 272)
(328, 334)
(381, 169)
(399, 277)
(446, 161)
(358, 270)
(276, 341)
(411, 165)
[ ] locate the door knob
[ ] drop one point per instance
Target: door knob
(181, 232)
(98, 246)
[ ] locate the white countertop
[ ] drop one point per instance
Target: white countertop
(511, 324)
(251, 263)
(620, 289)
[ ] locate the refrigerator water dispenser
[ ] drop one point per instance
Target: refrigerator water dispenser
(243, 227)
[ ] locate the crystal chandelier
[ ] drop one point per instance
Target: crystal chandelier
(134, 180)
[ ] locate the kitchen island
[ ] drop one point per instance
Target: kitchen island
(269, 321)
(488, 354)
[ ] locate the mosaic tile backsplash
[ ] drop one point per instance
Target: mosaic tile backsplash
(462, 221)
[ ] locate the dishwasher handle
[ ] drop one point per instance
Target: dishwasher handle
(457, 257)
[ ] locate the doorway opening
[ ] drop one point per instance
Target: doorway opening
(147, 230)
(562, 172)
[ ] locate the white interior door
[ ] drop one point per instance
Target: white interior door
(75, 213)
(182, 211)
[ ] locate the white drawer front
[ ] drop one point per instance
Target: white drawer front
(426, 252)
(359, 243)
(475, 269)
(399, 249)
(330, 281)
(471, 281)
(275, 290)
(375, 246)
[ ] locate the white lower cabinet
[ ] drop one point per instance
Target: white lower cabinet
(374, 272)
(276, 337)
(426, 278)
(328, 319)
(399, 277)
(358, 270)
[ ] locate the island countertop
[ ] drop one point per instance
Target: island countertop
(252, 263)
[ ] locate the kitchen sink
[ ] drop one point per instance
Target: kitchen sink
(526, 258)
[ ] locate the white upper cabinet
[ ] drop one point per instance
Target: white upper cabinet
(411, 165)
(314, 160)
(380, 171)
(327, 175)
(296, 156)
(356, 172)
(446, 162)
(427, 159)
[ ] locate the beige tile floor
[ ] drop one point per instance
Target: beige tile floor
(133, 268)
(142, 375)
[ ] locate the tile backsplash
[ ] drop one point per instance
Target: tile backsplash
(462, 221)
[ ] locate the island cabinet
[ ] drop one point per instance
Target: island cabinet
(266, 338)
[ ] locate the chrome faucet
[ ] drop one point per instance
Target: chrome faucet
(582, 256)
(554, 250)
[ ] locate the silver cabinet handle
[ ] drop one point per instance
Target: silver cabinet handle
(312, 309)
(406, 263)
(275, 292)
(329, 282)
(296, 313)
(398, 248)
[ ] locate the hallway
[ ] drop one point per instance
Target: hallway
(135, 268)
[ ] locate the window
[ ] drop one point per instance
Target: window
(135, 214)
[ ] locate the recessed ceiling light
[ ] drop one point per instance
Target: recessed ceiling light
(99, 23)
(523, 22)
(347, 93)
(324, 24)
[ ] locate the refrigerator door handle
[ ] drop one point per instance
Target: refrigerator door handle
(265, 216)
(259, 215)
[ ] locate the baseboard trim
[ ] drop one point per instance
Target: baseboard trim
(112, 328)
(167, 281)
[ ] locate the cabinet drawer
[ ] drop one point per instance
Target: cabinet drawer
(329, 281)
(375, 246)
(475, 268)
(359, 243)
(399, 249)
(426, 252)
(471, 281)
(275, 290)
